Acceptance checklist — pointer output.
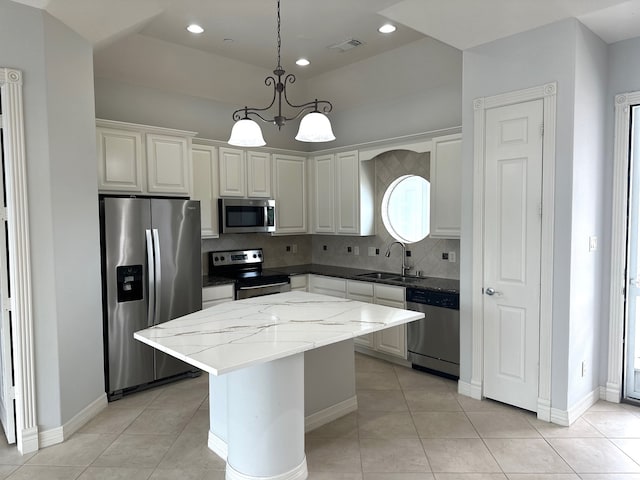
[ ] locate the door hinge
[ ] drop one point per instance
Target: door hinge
(542, 130)
(3, 214)
(12, 392)
(6, 304)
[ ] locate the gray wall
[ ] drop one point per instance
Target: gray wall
(551, 53)
(61, 173)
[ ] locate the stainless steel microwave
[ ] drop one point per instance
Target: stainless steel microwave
(239, 215)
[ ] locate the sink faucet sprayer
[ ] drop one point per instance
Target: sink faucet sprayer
(405, 267)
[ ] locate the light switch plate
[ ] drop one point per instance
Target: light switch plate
(593, 243)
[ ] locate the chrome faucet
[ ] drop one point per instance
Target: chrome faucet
(405, 267)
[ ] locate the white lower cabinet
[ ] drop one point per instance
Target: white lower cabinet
(299, 283)
(390, 341)
(217, 294)
(335, 287)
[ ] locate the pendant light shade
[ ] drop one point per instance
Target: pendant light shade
(315, 127)
(246, 133)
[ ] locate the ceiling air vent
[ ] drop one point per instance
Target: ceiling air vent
(346, 45)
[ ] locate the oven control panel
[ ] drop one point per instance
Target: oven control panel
(235, 257)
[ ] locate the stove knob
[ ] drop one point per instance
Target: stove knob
(259, 255)
(216, 259)
(255, 256)
(222, 258)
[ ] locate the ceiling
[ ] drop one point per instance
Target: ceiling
(245, 30)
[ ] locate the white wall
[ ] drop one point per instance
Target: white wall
(589, 165)
(532, 58)
(61, 175)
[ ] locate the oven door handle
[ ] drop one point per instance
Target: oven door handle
(264, 286)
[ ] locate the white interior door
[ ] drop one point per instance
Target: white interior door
(7, 406)
(512, 233)
(632, 331)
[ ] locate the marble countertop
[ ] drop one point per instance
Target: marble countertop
(427, 283)
(234, 335)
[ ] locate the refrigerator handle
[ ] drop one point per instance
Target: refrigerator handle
(158, 269)
(151, 279)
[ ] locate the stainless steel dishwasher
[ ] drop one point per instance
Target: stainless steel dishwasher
(433, 343)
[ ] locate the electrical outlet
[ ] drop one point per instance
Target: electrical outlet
(372, 251)
(377, 251)
(593, 243)
(349, 250)
(452, 257)
(324, 247)
(408, 253)
(288, 248)
(356, 250)
(294, 248)
(445, 255)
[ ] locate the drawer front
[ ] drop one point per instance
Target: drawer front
(219, 292)
(328, 283)
(388, 292)
(298, 282)
(360, 288)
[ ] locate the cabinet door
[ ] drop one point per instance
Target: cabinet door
(290, 193)
(392, 341)
(120, 159)
(233, 182)
(362, 292)
(168, 166)
(205, 187)
(335, 287)
(348, 193)
(446, 190)
(258, 174)
(323, 194)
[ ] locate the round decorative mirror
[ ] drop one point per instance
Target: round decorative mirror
(405, 208)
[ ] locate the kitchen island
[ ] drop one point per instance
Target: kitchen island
(257, 346)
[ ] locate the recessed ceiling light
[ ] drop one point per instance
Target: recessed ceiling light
(302, 62)
(194, 28)
(387, 28)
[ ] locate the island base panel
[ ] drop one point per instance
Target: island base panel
(265, 428)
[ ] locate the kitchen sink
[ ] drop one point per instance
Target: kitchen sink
(379, 275)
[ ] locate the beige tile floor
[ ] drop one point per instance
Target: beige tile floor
(409, 426)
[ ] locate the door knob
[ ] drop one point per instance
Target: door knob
(490, 291)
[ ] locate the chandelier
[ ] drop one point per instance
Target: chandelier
(314, 126)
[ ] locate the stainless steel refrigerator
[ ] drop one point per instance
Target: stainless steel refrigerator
(151, 273)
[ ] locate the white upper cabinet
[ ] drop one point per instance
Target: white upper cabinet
(343, 194)
(205, 187)
(143, 159)
(290, 193)
(323, 181)
(446, 189)
(120, 159)
(168, 166)
(233, 177)
(258, 174)
(355, 195)
(244, 173)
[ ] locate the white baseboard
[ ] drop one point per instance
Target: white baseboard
(544, 410)
(470, 390)
(29, 442)
(567, 417)
(59, 434)
(217, 445)
(315, 420)
(613, 392)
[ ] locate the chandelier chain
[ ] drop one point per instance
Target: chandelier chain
(279, 38)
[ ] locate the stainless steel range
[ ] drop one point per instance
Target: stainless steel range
(245, 268)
